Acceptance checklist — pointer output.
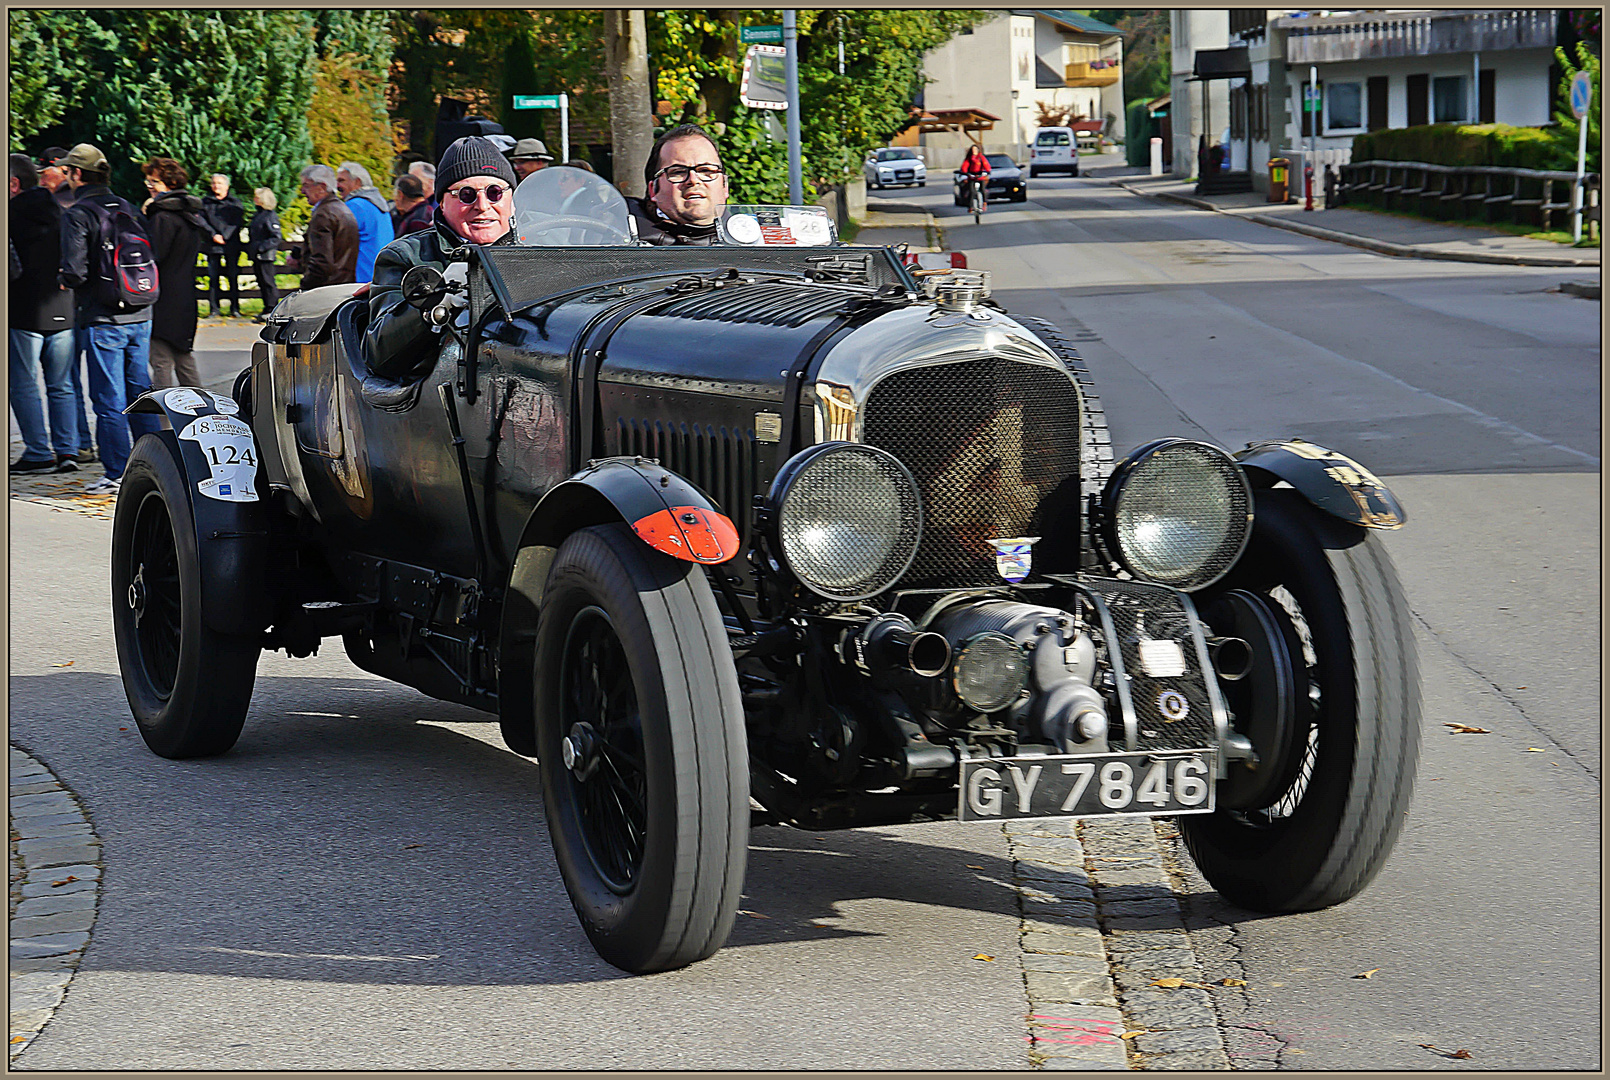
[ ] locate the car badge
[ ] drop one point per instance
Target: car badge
(1014, 557)
(1173, 705)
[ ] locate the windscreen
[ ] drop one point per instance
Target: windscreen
(896, 155)
(999, 161)
(562, 206)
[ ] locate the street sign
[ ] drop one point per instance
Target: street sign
(1311, 98)
(551, 101)
(1581, 94)
(536, 101)
(760, 35)
(764, 84)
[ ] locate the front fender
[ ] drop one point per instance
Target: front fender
(219, 459)
(655, 502)
(1333, 482)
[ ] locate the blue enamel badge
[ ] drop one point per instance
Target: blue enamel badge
(1014, 557)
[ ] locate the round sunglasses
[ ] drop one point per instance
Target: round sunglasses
(468, 195)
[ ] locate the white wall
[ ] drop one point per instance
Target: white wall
(1192, 30)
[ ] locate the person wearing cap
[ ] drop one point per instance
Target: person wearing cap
(369, 208)
(53, 178)
(117, 339)
(411, 211)
(329, 256)
(40, 314)
(528, 156)
(477, 204)
(687, 187)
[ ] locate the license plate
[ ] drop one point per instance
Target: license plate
(1149, 782)
(904, 174)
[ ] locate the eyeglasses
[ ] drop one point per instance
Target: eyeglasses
(679, 174)
(468, 195)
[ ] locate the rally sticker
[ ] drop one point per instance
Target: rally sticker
(226, 443)
(184, 400)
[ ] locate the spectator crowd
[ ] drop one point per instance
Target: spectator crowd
(104, 295)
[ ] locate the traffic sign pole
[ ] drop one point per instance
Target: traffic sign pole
(796, 184)
(1581, 102)
(564, 128)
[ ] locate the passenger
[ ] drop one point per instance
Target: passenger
(687, 187)
(477, 202)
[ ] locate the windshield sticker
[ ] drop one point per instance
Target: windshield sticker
(226, 444)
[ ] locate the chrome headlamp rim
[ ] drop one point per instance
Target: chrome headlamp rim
(1218, 562)
(776, 499)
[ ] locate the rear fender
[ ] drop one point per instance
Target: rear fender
(1332, 482)
(666, 512)
(220, 462)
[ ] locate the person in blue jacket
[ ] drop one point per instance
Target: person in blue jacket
(375, 230)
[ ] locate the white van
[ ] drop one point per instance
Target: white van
(1054, 149)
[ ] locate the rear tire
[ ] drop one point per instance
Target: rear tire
(188, 685)
(1074, 171)
(649, 815)
(1321, 839)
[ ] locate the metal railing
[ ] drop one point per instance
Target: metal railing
(1322, 39)
(1488, 192)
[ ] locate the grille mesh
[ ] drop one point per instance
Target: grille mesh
(1145, 610)
(994, 447)
(1184, 512)
(720, 461)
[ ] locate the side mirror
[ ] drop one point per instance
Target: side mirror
(423, 287)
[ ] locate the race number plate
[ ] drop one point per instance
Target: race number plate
(1150, 782)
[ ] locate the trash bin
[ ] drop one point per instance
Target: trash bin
(1279, 179)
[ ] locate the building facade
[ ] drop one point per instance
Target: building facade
(1013, 65)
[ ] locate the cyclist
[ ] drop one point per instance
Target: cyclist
(975, 170)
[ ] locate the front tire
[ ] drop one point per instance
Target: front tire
(1321, 838)
(188, 685)
(641, 745)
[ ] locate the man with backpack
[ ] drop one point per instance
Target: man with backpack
(106, 259)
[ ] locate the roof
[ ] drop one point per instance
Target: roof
(1075, 21)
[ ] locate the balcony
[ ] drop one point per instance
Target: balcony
(1328, 39)
(1084, 73)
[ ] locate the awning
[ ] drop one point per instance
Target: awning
(1232, 63)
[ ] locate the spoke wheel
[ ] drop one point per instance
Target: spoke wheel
(1341, 772)
(642, 751)
(188, 685)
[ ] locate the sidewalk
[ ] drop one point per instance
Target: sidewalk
(1388, 234)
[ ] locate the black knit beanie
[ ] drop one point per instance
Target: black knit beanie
(472, 156)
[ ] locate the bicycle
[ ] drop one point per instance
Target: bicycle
(977, 203)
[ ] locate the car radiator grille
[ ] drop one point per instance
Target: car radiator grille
(994, 447)
(722, 462)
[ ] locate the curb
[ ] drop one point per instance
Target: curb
(1587, 290)
(1380, 247)
(54, 890)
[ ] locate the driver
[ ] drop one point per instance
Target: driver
(476, 186)
(687, 187)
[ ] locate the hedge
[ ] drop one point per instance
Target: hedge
(1467, 144)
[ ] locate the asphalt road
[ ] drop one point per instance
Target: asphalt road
(366, 882)
(1475, 392)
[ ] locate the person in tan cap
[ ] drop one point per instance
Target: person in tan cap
(528, 156)
(116, 334)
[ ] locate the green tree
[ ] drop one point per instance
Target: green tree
(1147, 43)
(1569, 126)
(347, 118)
(220, 91)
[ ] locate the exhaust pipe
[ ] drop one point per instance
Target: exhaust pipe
(1231, 656)
(892, 642)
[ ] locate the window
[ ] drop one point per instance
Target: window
(1344, 106)
(1053, 138)
(896, 154)
(1448, 99)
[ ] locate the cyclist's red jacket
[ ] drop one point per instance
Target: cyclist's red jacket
(978, 166)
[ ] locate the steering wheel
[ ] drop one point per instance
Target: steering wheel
(554, 224)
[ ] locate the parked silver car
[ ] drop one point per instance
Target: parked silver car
(894, 165)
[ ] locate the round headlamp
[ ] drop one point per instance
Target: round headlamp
(846, 519)
(989, 672)
(1177, 513)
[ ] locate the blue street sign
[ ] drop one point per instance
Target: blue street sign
(1581, 94)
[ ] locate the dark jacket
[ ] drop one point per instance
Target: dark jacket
(398, 342)
(80, 232)
(263, 236)
(330, 254)
(418, 218)
(224, 217)
(656, 229)
(38, 301)
(177, 229)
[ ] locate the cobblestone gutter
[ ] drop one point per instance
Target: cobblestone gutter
(1100, 925)
(54, 878)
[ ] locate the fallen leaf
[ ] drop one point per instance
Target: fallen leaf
(69, 663)
(1232, 982)
(753, 914)
(1520, 688)
(15, 1039)
(1535, 750)
(1171, 983)
(970, 866)
(983, 956)
(64, 881)
(1130, 1034)
(1366, 974)
(1466, 729)
(122, 729)
(1462, 1055)
(407, 846)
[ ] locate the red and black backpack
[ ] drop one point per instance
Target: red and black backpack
(127, 267)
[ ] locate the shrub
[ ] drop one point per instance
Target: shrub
(1463, 144)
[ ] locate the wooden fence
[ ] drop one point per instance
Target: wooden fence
(1487, 193)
